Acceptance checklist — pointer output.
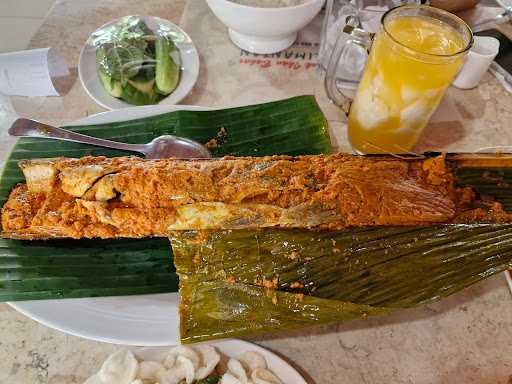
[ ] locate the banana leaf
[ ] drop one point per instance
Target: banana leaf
(241, 283)
(489, 175)
(84, 268)
(89, 268)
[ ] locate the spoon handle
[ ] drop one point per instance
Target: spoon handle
(30, 128)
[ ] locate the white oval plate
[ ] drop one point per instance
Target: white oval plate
(149, 320)
(88, 73)
(235, 348)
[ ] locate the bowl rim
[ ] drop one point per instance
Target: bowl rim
(307, 3)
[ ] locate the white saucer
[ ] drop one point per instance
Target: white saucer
(235, 348)
(88, 73)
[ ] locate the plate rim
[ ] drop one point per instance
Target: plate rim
(508, 277)
(88, 335)
(293, 376)
(194, 72)
(234, 348)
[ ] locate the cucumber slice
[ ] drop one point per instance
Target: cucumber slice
(167, 71)
(134, 96)
(143, 86)
(112, 86)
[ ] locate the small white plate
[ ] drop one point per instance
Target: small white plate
(189, 62)
(148, 320)
(235, 348)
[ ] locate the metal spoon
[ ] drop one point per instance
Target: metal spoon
(160, 148)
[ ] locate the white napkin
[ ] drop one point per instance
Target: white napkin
(7, 116)
(31, 73)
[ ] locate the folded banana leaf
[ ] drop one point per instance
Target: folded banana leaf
(242, 282)
(85, 268)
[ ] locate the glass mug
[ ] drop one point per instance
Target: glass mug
(414, 57)
(357, 13)
(339, 14)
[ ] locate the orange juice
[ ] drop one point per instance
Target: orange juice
(412, 61)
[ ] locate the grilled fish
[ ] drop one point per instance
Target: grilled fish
(98, 197)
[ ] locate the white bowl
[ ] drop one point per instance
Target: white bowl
(264, 30)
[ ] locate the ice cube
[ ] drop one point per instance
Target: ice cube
(409, 94)
(370, 109)
(378, 85)
(433, 93)
(374, 103)
(413, 115)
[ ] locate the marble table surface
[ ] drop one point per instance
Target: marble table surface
(463, 339)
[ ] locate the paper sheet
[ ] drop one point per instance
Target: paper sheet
(31, 73)
(7, 116)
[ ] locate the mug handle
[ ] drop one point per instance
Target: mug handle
(357, 36)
